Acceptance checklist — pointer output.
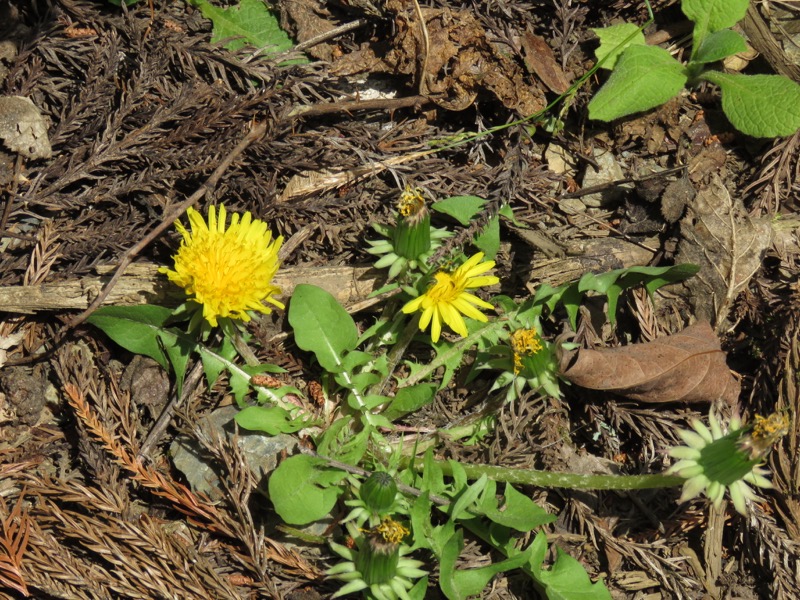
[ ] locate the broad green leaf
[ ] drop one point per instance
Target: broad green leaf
(613, 42)
(661, 276)
(612, 284)
(355, 359)
(140, 329)
(719, 45)
(251, 22)
(303, 490)
(571, 299)
(410, 399)
(271, 420)
(759, 105)
(461, 208)
(321, 326)
(566, 580)
(645, 77)
(712, 15)
(135, 328)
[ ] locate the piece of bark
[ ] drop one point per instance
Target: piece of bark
(142, 283)
(686, 367)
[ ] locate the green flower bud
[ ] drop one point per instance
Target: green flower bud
(412, 238)
(412, 234)
(378, 492)
(377, 561)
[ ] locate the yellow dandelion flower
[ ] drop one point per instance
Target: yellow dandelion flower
(524, 342)
(447, 299)
(228, 271)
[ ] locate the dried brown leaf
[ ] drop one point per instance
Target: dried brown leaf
(539, 58)
(726, 243)
(687, 367)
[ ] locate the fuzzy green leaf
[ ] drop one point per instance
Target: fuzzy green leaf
(712, 15)
(251, 23)
(719, 45)
(759, 105)
(322, 326)
(613, 42)
(645, 77)
(303, 490)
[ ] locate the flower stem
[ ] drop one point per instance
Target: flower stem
(565, 480)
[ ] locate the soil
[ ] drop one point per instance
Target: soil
(142, 112)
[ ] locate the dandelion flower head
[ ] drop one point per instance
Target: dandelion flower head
(715, 460)
(524, 342)
(447, 298)
(412, 204)
(226, 270)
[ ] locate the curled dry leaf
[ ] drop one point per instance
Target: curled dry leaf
(686, 367)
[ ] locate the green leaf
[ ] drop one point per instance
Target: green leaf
(719, 45)
(518, 512)
(611, 283)
(645, 77)
(212, 365)
(759, 105)
(508, 212)
(712, 15)
(458, 584)
(339, 442)
(321, 326)
(432, 475)
(252, 22)
(302, 489)
(613, 42)
(461, 208)
(271, 420)
(140, 329)
(409, 399)
(135, 328)
(567, 580)
(460, 508)
(488, 240)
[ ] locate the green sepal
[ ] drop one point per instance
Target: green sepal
(412, 237)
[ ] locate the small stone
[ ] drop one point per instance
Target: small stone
(609, 171)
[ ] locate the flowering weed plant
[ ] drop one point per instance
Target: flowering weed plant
(404, 504)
